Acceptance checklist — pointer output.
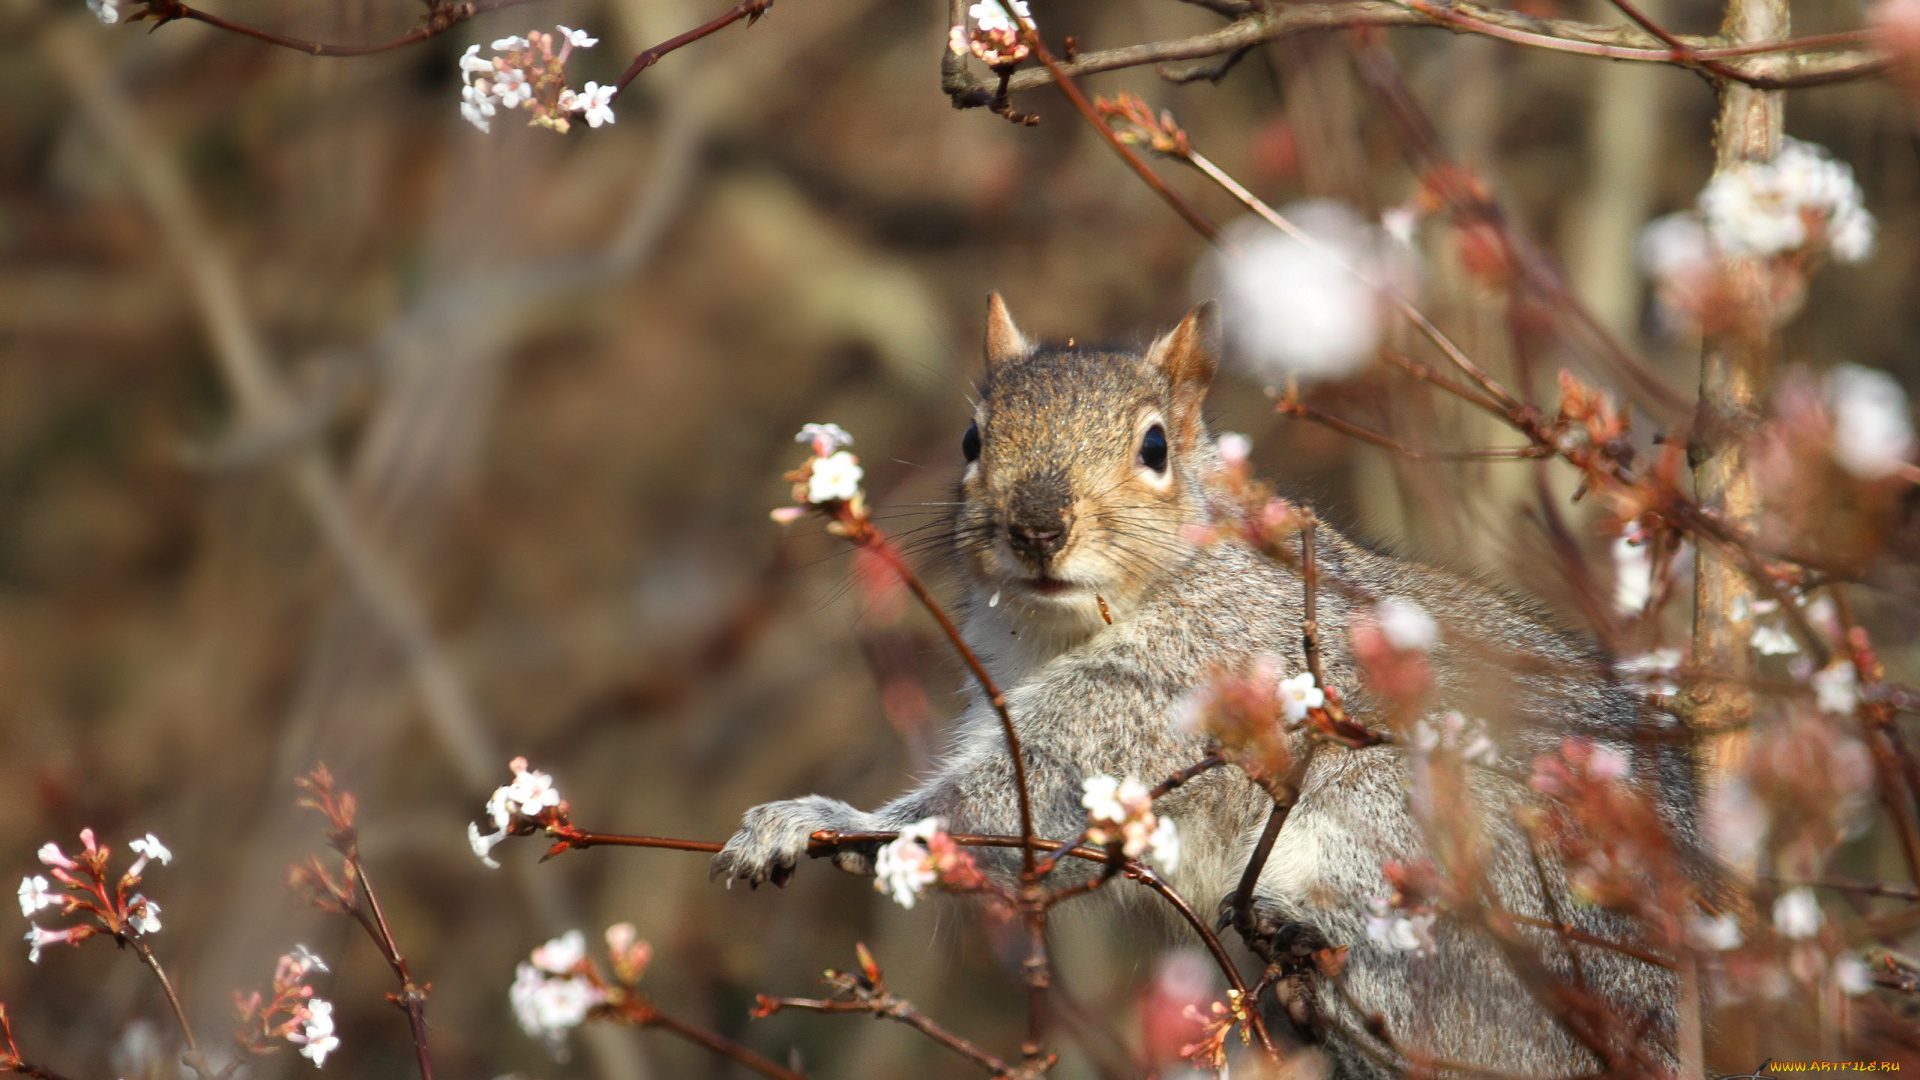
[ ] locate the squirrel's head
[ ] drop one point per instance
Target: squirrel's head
(1084, 469)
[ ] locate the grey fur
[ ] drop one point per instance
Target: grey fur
(1090, 698)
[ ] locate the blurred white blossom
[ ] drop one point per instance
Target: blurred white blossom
(1632, 576)
(315, 1037)
(904, 866)
(1400, 931)
(1294, 309)
(36, 893)
(1764, 208)
(38, 939)
(561, 955)
(1837, 687)
(1736, 822)
(1405, 624)
(1719, 933)
(1796, 914)
(1234, 448)
(1455, 732)
(549, 1006)
(107, 11)
(1772, 639)
(1652, 671)
(1852, 975)
(1872, 429)
(577, 38)
(993, 15)
(530, 793)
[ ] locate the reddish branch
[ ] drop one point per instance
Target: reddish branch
(344, 897)
(1817, 56)
(865, 991)
(750, 10)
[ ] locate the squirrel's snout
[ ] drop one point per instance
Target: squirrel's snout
(1038, 545)
(1040, 517)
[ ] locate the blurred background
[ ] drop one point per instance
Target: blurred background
(475, 454)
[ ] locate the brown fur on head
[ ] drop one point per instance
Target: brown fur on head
(1085, 468)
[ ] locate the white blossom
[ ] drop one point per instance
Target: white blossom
(1719, 933)
(548, 1008)
(302, 961)
(904, 867)
(514, 43)
(1409, 933)
(38, 939)
(1675, 248)
(1837, 687)
(1872, 429)
(472, 63)
(1234, 447)
(36, 893)
(1608, 763)
(1652, 671)
(531, 791)
(1852, 975)
(107, 11)
(148, 847)
(1796, 914)
(1121, 811)
(1163, 847)
(1405, 624)
(51, 855)
(1774, 640)
(315, 1037)
(1763, 208)
(824, 438)
(1299, 694)
(143, 915)
(1736, 822)
(484, 843)
(834, 478)
(476, 106)
(512, 88)
(577, 38)
(993, 15)
(595, 103)
(1295, 309)
(1632, 576)
(561, 955)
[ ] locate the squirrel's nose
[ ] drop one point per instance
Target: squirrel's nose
(1037, 543)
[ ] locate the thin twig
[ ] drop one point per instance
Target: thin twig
(899, 1009)
(1060, 76)
(723, 1046)
(750, 10)
(1292, 407)
(1564, 35)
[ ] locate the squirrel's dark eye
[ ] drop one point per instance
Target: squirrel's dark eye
(1153, 449)
(970, 442)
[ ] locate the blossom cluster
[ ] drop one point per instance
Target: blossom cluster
(526, 73)
(530, 800)
(292, 1013)
(1121, 812)
(1798, 207)
(995, 38)
(116, 909)
(829, 478)
(558, 987)
(922, 856)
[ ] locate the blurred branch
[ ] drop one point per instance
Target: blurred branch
(1833, 61)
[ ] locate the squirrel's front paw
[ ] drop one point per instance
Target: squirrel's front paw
(773, 837)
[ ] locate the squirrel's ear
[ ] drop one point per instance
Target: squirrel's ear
(1187, 357)
(1003, 338)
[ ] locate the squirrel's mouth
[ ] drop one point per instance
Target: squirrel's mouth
(1047, 586)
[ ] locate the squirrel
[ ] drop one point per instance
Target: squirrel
(1098, 609)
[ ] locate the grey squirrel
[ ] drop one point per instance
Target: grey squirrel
(1097, 610)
